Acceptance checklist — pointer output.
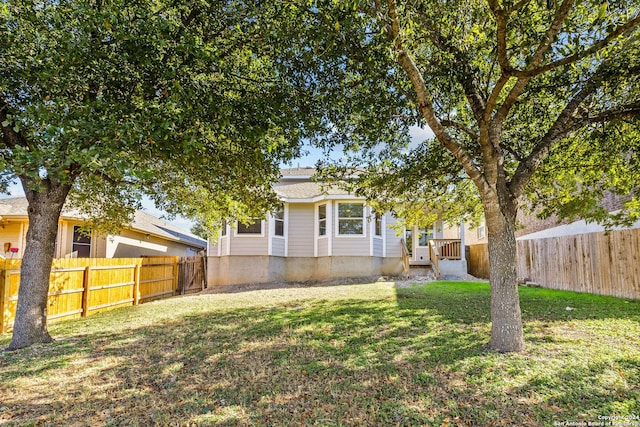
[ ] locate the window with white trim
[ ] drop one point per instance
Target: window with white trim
(482, 230)
(351, 219)
(378, 224)
(322, 220)
(81, 242)
(278, 219)
(253, 227)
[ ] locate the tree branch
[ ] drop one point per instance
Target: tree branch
(578, 56)
(518, 6)
(521, 84)
(464, 75)
(564, 124)
(425, 103)
(460, 127)
(622, 112)
(10, 137)
(501, 34)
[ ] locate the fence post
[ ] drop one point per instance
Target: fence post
(5, 286)
(176, 279)
(136, 285)
(86, 282)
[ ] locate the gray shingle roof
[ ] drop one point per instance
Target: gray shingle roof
(142, 221)
(306, 190)
(306, 171)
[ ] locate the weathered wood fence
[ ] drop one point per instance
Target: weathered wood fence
(478, 260)
(598, 263)
(192, 274)
(84, 286)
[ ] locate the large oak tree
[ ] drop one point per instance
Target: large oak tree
(529, 100)
(103, 101)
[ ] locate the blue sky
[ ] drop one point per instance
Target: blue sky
(418, 135)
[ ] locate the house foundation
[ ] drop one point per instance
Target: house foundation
(236, 270)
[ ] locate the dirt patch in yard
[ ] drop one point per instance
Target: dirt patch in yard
(400, 283)
(226, 289)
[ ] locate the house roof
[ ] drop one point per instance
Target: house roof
(142, 222)
(304, 172)
(306, 190)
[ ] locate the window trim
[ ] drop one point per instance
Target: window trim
(482, 230)
(75, 230)
(378, 225)
(322, 221)
(363, 219)
(277, 220)
(432, 230)
(239, 234)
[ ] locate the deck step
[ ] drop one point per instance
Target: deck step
(423, 272)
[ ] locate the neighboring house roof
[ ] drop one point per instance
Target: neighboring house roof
(571, 229)
(142, 222)
(14, 206)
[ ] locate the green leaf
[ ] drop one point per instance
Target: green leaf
(602, 11)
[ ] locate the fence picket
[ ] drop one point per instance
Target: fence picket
(600, 263)
(84, 286)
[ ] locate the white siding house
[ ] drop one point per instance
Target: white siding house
(321, 233)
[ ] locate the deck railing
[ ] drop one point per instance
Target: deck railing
(405, 257)
(440, 249)
(447, 248)
(434, 256)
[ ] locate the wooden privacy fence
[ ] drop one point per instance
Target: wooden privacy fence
(599, 263)
(84, 286)
(478, 265)
(192, 274)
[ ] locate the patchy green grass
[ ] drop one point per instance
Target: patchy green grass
(343, 355)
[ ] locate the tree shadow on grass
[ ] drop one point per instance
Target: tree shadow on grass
(418, 359)
(341, 362)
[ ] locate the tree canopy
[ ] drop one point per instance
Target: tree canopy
(179, 100)
(102, 101)
(531, 102)
(541, 82)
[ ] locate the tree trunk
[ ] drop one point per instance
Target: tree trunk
(506, 319)
(44, 209)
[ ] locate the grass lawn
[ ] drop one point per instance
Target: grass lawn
(342, 355)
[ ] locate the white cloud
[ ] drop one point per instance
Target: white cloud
(419, 134)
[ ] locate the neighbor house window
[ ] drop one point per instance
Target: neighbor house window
(278, 218)
(81, 242)
(378, 224)
(223, 231)
(351, 219)
(482, 230)
(253, 227)
(322, 220)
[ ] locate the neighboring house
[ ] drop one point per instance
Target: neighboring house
(529, 226)
(319, 234)
(146, 236)
(532, 227)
